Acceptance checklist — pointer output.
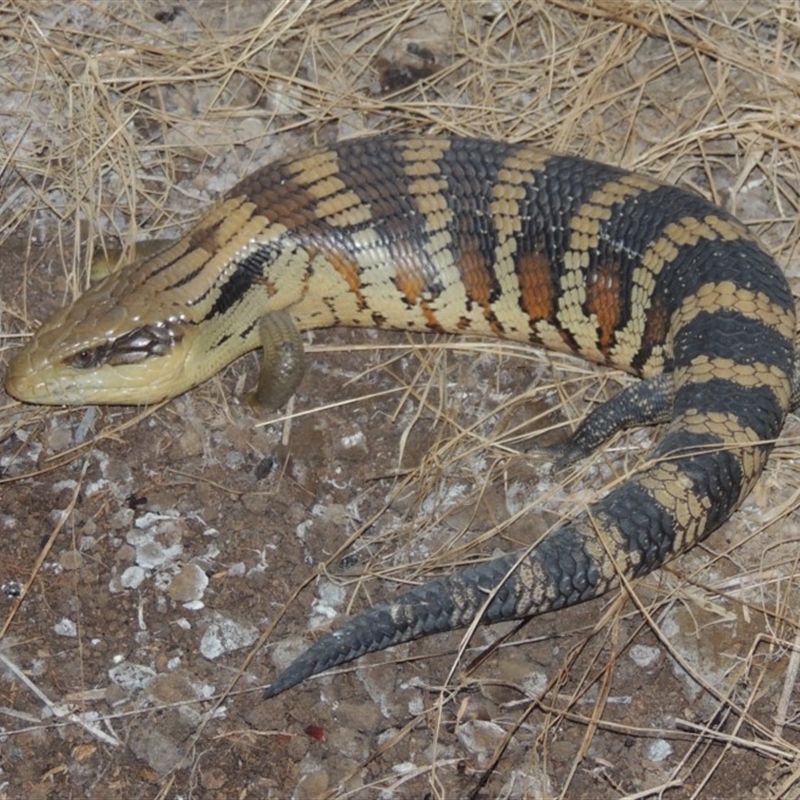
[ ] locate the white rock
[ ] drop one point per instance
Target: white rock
(66, 627)
(132, 578)
(223, 635)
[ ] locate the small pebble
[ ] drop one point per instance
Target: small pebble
(188, 585)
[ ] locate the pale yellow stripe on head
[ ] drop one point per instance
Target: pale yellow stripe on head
(215, 228)
(180, 299)
(220, 212)
(188, 254)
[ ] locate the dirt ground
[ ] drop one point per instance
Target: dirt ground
(160, 565)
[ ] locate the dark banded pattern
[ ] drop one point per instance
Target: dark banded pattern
(483, 238)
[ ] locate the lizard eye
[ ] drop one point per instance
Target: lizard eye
(130, 348)
(86, 359)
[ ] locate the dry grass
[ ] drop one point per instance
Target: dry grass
(118, 125)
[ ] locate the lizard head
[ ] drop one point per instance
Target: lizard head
(98, 350)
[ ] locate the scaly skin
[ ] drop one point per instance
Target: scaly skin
(482, 238)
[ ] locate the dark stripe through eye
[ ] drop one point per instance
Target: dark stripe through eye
(146, 342)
